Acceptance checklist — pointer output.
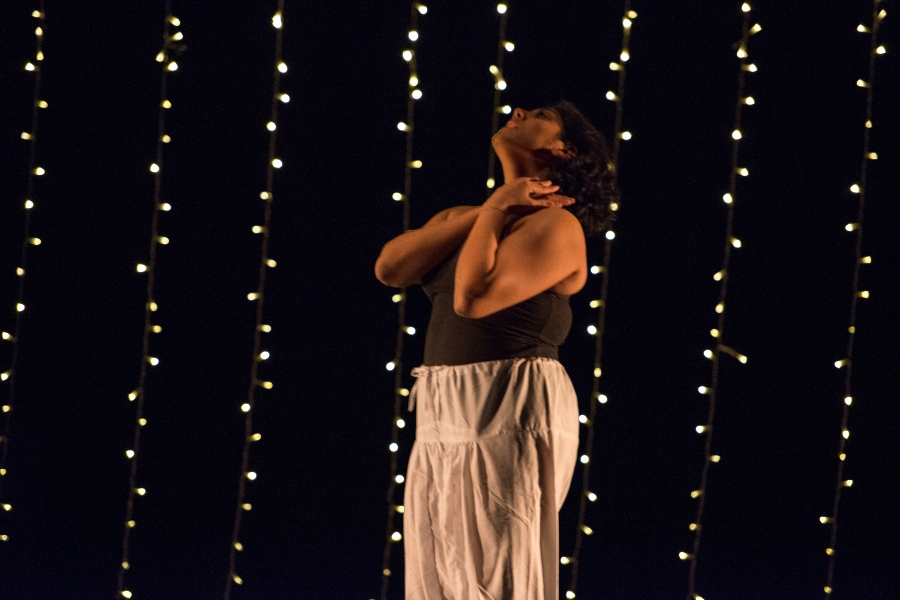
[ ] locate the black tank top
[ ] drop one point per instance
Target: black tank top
(535, 327)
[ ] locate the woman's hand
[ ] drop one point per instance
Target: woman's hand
(525, 195)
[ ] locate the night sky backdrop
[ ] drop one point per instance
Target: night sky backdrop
(316, 530)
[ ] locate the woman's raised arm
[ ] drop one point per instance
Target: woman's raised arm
(406, 258)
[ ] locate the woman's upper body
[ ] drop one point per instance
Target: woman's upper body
(518, 244)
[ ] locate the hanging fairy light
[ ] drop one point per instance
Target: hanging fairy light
(859, 190)
(392, 536)
(599, 328)
(259, 354)
(722, 276)
(8, 376)
(170, 49)
(496, 70)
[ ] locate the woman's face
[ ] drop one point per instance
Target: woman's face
(535, 130)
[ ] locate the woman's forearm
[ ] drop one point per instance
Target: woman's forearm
(406, 258)
(478, 255)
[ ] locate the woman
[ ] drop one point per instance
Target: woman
(497, 418)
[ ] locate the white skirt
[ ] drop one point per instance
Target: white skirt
(496, 444)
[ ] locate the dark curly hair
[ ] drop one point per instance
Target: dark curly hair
(588, 176)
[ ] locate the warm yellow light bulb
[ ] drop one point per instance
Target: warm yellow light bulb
(880, 50)
(141, 268)
(745, 7)
(863, 294)
(413, 35)
(421, 8)
(20, 307)
(276, 162)
(509, 46)
(245, 407)
(845, 434)
(862, 84)
(271, 126)
(749, 101)
(684, 555)
(625, 135)
(743, 172)
(413, 80)
(251, 475)
(416, 164)
(585, 459)
(284, 98)
(696, 493)
(407, 55)
(282, 67)
(848, 400)
(592, 496)
(564, 560)
(735, 242)
(736, 134)
(173, 66)
(247, 506)
(591, 329)
(597, 372)
(602, 399)
(29, 67)
(399, 479)
(614, 66)
(854, 188)
(267, 385)
(720, 308)
(741, 53)
(42, 104)
(490, 183)
(271, 263)
(416, 94)
(611, 96)
(703, 389)
(501, 8)
(154, 168)
(277, 21)
(862, 28)
(755, 29)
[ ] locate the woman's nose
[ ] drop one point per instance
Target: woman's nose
(519, 114)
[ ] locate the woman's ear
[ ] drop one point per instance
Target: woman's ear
(565, 151)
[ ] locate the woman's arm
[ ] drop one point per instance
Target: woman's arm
(406, 258)
(496, 272)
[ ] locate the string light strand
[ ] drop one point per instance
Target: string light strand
(496, 69)
(859, 189)
(598, 330)
(722, 276)
(395, 508)
(265, 263)
(170, 48)
(34, 170)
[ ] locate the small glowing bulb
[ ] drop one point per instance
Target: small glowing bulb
(611, 96)
(491, 183)
(39, 171)
(390, 366)
(880, 50)
(862, 28)
(402, 126)
(597, 372)
(38, 32)
(153, 360)
(271, 126)
(161, 56)
(407, 55)
(401, 423)
(749, 101)
(626, 22)
(396, 298)
(237, 579)
(42, 104)
(582, 419)
(141, 268)
(257, 229)
(413, 81)
(154, 168)
(411, 330)
(399, 479)
(251, 475)
(284, 98)
(743, 172)
(162, 240)
(872, 156)
(264, 355)
(741, 53)
(755, 29)
(166, 104)
(26, 135)
(683, 555)
(863, 294)
(595, 270)
(403, 392)
(587, 530)
(591, 329)
(501, 8)
(131, 524)
(141, 491)
(276, 162)
(277, 21)
(846, 434)
(745, 7)
(413, 35)
(245, 407)
(20, 307)
(129, 453)
(282, 67)
(735, 242)
(727, 198)
(848, 483)
(592, 496)
(736, 134)
(175, 21)
(132, 396)
(851, 226)
(862, 84)
(173, 66)
(506, 109)
(510, 46)
(624, 56)
(267, 384)
(696, 493)
(585, 459)
(720, 308)
(396, 536)
(126, 594)
(422, 8)
(34, 241)
(393, 447)
(564, 560)
(610, 235)
(416, 164)
(29, 67)
(271, 263)
(866, 260)
(854, 188)
(614, 66)
(701, 428)
(602, 399)
(416, 94)
(5, 375)
(501, 85)
(718, 276)
(715, 458)
(703, 389)
(625, 135)
(165, 206)
(595, 303)
(247, 506)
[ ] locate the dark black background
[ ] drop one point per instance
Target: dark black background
(317, 526)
